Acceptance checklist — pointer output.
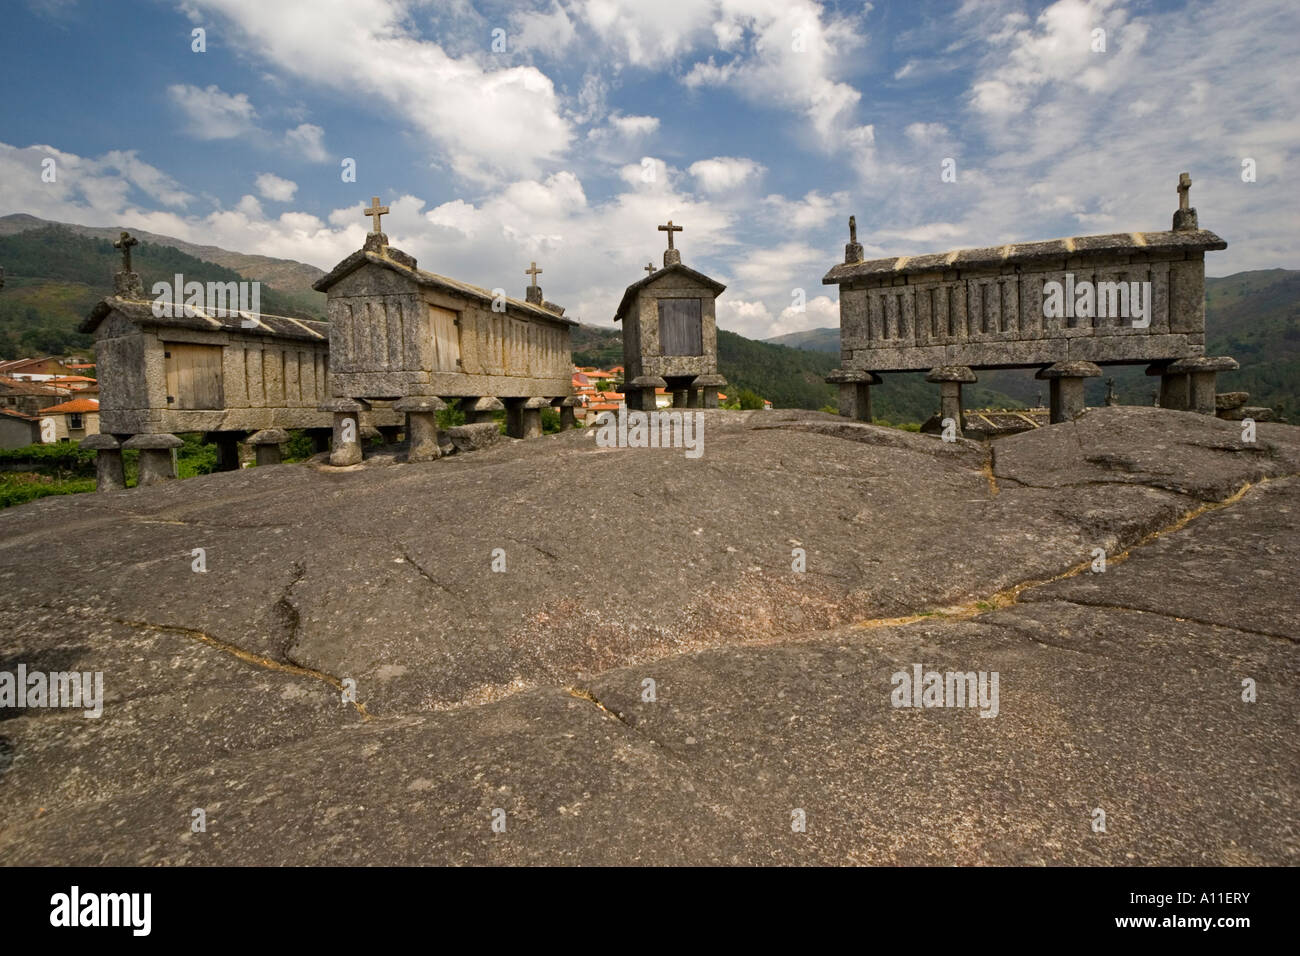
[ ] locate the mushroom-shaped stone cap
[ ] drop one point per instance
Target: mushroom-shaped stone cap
(1069, 370)
(268, 436)
(488, 404)
(150, 442)
(1200, 363)
(419, 403)
(852, 376)
(951, 373)
(537, 402)
(102, 442)
(708, 380)
(569, 401)
(340, 404)
(647, 381)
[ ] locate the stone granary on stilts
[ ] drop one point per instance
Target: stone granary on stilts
(232, 375)
(1065, 307)
(398, 333)
(670, 334)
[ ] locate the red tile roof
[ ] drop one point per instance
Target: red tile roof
(13, 414)
(76, 406)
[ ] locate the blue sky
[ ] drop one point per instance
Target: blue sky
(759, 125)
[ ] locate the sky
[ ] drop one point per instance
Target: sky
(565, 131)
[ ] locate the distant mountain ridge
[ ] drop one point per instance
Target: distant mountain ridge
(54, 275)
(286, 275)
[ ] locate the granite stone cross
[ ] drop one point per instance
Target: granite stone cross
(1184, 187)
(534, 272)
(853, 228)
(649, 267)
(375, 212)
(670, 229)
(125, 243)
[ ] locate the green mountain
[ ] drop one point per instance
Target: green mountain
(1252, 316)
(54, 276)
(284, 275)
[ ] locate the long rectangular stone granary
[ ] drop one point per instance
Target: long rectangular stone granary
(397, 330)
(1065, 306)
(203, 373)
(404, 334)
(985, 307)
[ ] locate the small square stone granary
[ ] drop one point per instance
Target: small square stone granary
(670, 334)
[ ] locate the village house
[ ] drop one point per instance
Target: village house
(33, 369)
(72, 420)
(18, 430)
(76, 383)
(29, 397)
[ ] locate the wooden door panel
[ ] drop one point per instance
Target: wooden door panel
(680, 327)
(193, 375)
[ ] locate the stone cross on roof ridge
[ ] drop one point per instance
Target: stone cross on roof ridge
(125, 242)
(672, 256)
(670, 229)
(649, 267)
(1185, 215)
(533, 271)
(853, 251)
(375, 212)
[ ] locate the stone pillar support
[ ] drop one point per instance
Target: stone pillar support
(157, 457)
(227, 450)
(1066, 380)
(422, 414)
(855, 391)
(950, 379)
(480, 409)
(708, 385)
(1174, 388)
(347, 430)
(524, 416)
(267, 444)
(568, 418)
(109, 474)
(639, 394)
(1202, 373)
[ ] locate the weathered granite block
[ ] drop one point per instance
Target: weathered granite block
(475, 436)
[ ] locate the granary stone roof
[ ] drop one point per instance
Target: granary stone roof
(141, 313)
(630, 294)
(1018, 253)
(404, 265)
